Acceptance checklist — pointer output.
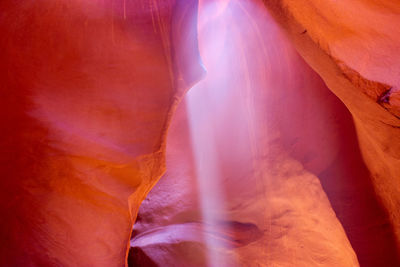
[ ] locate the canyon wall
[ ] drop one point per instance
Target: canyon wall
(87, 92)
(307, 130)
(265, 166)
(353, 46)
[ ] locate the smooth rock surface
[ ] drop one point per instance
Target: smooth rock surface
(244, 154)
(87, 92)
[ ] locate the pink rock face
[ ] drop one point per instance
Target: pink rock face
(263, 157)
(263, 164)
(88, 88)
(354, 51)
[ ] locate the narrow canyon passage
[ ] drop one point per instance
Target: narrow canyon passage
(247, 132)
(246, 153)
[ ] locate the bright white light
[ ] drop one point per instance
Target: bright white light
(204, 104)
(221, 115)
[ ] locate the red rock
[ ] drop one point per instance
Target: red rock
(88, 89)
(262, 136)
(353, 47)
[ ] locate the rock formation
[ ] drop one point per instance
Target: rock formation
(276, 128)
(88, 89)
(353, 47)
(285, 153)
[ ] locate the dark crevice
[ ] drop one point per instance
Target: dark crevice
(348, 185)
(137, 257)
(385, 96)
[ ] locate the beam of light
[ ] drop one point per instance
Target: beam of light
(202, 101)
(218, 109)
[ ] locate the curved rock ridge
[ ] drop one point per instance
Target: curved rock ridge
(354, 48)
(263, 165)
(245, 147)
(88, 90)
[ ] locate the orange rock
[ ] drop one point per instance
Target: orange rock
(353, 47)
(268, 128)
(88, 88)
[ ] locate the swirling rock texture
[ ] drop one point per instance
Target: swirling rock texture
(87, 92)
(287, 157)
(355, 54)
(265, 165)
